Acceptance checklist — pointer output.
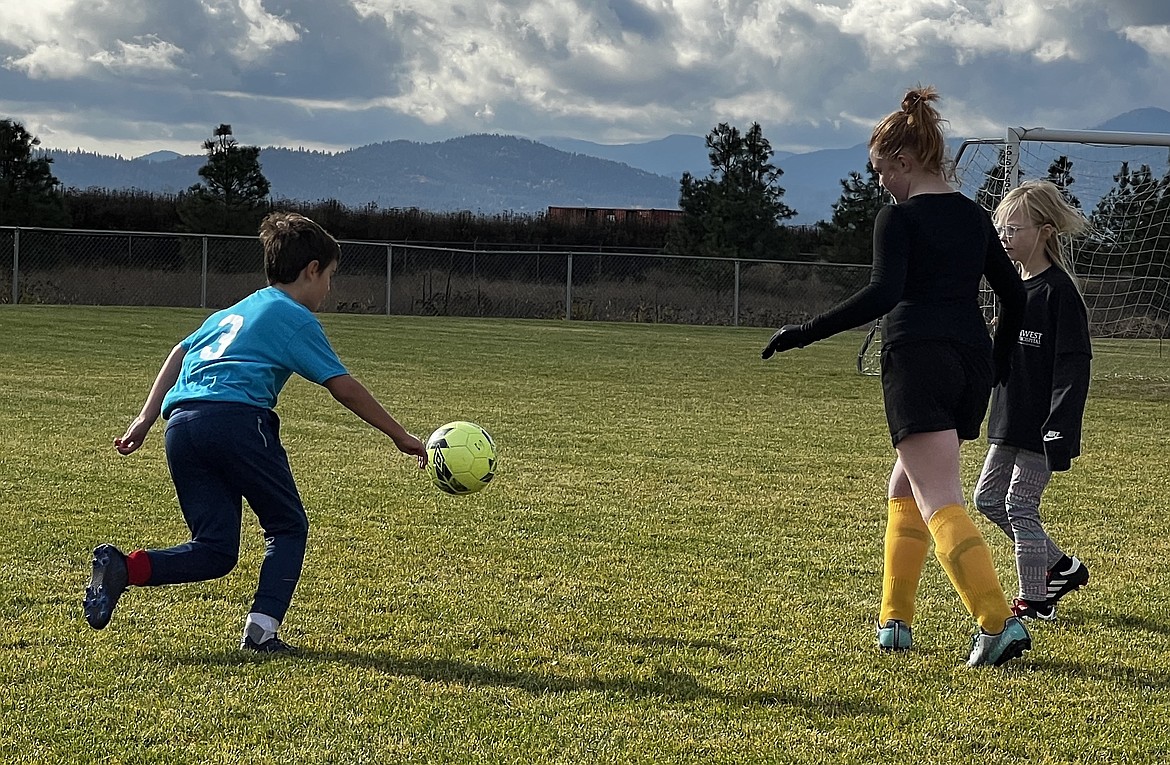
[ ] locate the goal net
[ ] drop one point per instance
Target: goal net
(1121, 182)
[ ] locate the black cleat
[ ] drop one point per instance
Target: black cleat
(272, 645)
(106, 584)
(1067, 575)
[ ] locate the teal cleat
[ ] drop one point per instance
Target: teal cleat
(894, 635)
(998, 649)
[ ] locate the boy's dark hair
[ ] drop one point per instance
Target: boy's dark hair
(291, 241)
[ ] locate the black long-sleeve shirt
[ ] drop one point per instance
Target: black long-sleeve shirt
(1041, 407)
(929, 255)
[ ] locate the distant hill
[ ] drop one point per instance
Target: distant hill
(159, 156)
(1147, 120)
(670, 156)
(83, 170)
(491, 174)
(480, 173)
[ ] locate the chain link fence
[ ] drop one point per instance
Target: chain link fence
(63, 266)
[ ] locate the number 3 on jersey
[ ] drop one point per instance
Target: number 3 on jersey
(214, 351)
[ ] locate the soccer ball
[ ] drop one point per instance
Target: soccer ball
(461, 457)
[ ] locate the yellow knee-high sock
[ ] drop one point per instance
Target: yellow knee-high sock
(965, 556)
(907, 542)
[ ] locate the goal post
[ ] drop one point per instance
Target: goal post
(1121, 182)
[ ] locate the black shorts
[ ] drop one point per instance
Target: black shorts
(933, 385)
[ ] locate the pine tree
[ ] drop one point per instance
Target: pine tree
(850, 231)
(1060, 173)
(736, 210)
(233, 195)
(29, 194)
(1129, 214)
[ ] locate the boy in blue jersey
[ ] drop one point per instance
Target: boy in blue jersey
(217, 390)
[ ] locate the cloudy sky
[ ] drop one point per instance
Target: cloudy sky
(132, 76)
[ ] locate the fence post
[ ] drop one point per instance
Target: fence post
(475, 278)
(569, 288)
(735, 308)
(203, 278)
(16, 266)
(389, 283)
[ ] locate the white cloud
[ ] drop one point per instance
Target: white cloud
(1154, 39)
(48, 61)
(147, 56)
(20, 27)
(347, 72)
(264, 31)
(906, 33)
(57, 61)
(69, 38)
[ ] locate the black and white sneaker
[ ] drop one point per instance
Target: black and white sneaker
(254, 641)
(107, 582)
(1067, 575)
(272, 645)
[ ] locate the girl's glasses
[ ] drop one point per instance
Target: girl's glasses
(1007, 232)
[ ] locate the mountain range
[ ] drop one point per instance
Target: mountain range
(491, 174)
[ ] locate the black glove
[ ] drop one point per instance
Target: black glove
(1001, 356)
(786, 338)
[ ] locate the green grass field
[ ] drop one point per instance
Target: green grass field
(679, 561)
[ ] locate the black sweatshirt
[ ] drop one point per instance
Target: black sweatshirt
(1041, 407)
(929, 255)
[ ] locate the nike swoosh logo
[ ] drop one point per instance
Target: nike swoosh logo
(1050, 436)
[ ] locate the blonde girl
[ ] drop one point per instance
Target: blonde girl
(1035, 425)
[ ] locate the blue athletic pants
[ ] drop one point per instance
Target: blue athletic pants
(218, 454)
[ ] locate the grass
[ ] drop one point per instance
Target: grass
(679, 561)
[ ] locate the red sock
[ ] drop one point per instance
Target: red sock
(138, 567)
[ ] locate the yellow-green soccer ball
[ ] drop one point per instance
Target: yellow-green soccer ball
(461, 457)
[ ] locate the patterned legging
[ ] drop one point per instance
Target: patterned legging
(1008, 494)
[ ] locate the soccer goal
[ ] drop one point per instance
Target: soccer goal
(1121, 181)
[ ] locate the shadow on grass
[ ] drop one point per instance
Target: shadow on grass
(1120, 623)
(652, 641)
(665, 684)
(1132, 622)
(1107, 673)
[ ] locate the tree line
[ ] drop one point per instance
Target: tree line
(739, 203)
(736, 211)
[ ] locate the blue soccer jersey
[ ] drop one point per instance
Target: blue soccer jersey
(245, 354)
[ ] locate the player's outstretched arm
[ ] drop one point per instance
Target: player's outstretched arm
(135, 434)
(353, 396)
